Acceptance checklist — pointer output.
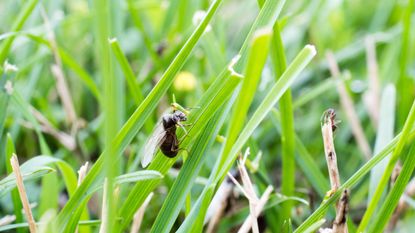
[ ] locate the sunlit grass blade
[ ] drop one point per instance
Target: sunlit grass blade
(275, 93)
(272, 97)
(255, 63)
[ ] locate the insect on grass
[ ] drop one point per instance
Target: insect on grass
(164, 136)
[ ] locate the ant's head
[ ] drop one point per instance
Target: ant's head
(179, 116)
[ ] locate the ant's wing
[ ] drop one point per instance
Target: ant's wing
(152, 144)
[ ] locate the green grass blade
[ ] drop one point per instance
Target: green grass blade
(17, 204)
(194, 223)
(286, 80)
(389, 169)
(287, 124)
(110, 105)
(139, 117)
(265, 19)
(307, 162)
(89, 82)
(18, 24)
(25, 109)
(395, 194)
(404, 83)
(255, 63)
(134, 88)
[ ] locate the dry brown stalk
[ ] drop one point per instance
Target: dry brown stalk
(22, 193)
(138, 216)
(327, 128)
(57, 71)
(372, 97)
(348, 107)
(65, 139)
(339, 224)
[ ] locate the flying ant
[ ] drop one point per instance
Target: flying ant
(164, 137)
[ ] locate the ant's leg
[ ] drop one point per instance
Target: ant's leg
(182, 126)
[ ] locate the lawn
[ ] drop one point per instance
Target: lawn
(207, 116)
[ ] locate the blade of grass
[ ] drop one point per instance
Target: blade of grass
(110, 105)
(144, 31)
(137, 119)
(192, 223)
(403, 140)
(306, 162)
(134, 87)
(404, 83)
(255, 63)
(286, 80)
(394, 195)
(18, 24)
(287, 125)
(17, 205)
(275, 93)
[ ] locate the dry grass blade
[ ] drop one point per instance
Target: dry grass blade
(261, 203)
(217, 205)
(138, 216)
(255, 205)
(7, 220)
(348, 107)
(104, 213)
(22, 193)
(340, 225)
(82, 173)
(65, 139)
(372, 96)
(327, 128)
(57, 71)
(253, 199)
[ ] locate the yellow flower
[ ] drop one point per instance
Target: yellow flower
(185, 81)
